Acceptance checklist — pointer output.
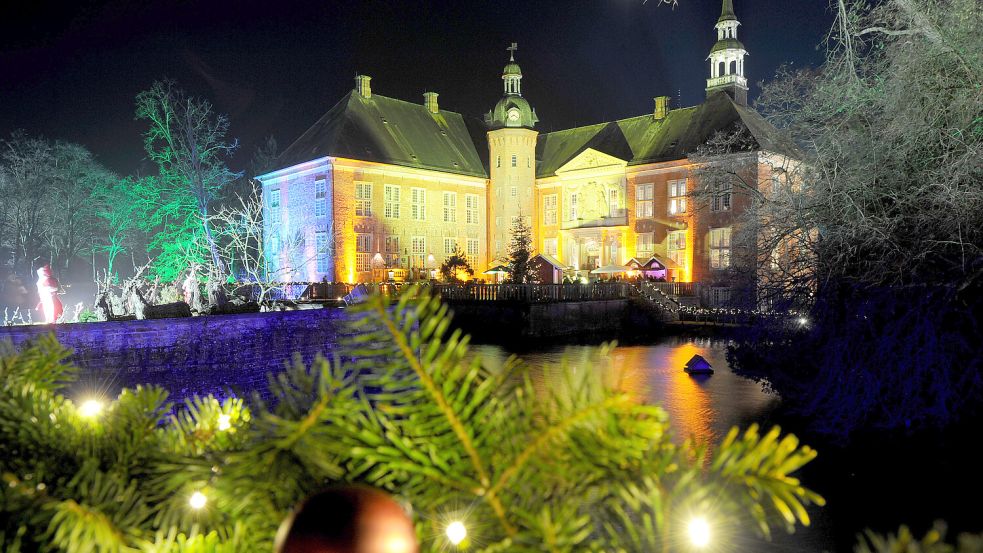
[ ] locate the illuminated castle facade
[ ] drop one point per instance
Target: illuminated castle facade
(382, 188)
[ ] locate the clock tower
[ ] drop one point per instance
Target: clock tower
(512, 156)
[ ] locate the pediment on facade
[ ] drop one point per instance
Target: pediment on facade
(591, 159)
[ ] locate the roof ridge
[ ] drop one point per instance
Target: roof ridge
(632, 118)
(374, 95)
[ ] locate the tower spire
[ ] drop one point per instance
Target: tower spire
(727, 12)
(727, 58)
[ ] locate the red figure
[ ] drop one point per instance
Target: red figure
(48, 291)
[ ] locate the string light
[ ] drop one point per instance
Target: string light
(699, 532)
(224, 422)
(456, 532)
(90, 408)
(197, 500)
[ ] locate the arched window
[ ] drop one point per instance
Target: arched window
(733, 68)
(721, 69)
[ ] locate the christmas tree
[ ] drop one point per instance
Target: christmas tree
(485, 456)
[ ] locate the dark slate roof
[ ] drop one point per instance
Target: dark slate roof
(643, 139)
(387, 130)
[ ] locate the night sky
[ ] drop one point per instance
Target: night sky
(71, 71)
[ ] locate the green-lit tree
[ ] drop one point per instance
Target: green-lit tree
(118, 205)
(189, 143)
(520, 252)
(576, 466)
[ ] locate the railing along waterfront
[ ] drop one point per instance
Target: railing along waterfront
(674, 288)
(536, 293)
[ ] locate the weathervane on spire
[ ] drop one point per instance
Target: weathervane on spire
(512, 49)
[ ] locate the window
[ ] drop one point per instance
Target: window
(273, 245)
(549, 209)
(549, 246)
(720, 248)
(418, 204)
(613, 203)
(498, 162)
(515, 191)
(321, 243)
(498, 222)
(363, 199)
(320, 198)
(676, 247)
(677, 196)
(392, 244)
(275, 207)
(719, 297)
(644, 200)
(498, 247)
(391, 201)
(471, 208)
(363, 252)
(418, 245)
(450, 207)
(573, 206)
(528, 162)
(721, 197)
(644, 244)
(450, 246)
(515, 160)
(472, 252)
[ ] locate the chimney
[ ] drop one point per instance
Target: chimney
(362, 85)
(430, 100)
(661, 107)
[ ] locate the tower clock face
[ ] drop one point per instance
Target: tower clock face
(513, 115)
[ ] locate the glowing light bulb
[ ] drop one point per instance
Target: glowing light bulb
(90, 408)
(224, 422)
(197, 500)
(699, 532)
(456, 532)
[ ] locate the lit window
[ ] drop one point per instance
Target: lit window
(644, 244)
(676, 247)
(721, 197)
(320, 198)
(450, 246)
(418, 204)
(418, 245)
(549, 209)
(677, 196)
(644, 200)
(391, 198)
(363, 252)
(549, 246)
(471, 208)
(321, 243)
(614, 205)
(573, 206)
(363, 199)
(720, 248)
(450, 207)
(275, 207)
(472, 252)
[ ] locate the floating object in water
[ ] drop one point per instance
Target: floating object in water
(698, 365)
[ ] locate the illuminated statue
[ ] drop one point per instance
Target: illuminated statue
(48, 292)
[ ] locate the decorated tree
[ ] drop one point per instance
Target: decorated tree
(504, 463)
(520, 252)
(456, 268)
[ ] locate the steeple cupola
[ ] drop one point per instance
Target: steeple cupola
(727, 58)
(512, 110)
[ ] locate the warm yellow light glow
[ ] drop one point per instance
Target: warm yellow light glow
(224, 422)
(699, 532)
(398, 544)
(456, 532)
(197, 500)
(90, 408)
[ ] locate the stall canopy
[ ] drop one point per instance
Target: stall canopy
(609, 270)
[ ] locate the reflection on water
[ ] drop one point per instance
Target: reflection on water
(703, 406)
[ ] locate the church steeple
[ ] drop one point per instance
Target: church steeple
(727, 58)
(512, 110)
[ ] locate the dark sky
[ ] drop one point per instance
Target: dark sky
(71, 71)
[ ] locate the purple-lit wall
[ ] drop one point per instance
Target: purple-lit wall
(189, 356)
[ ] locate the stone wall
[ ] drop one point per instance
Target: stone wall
(189, 356)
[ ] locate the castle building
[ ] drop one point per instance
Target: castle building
(381, 188)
